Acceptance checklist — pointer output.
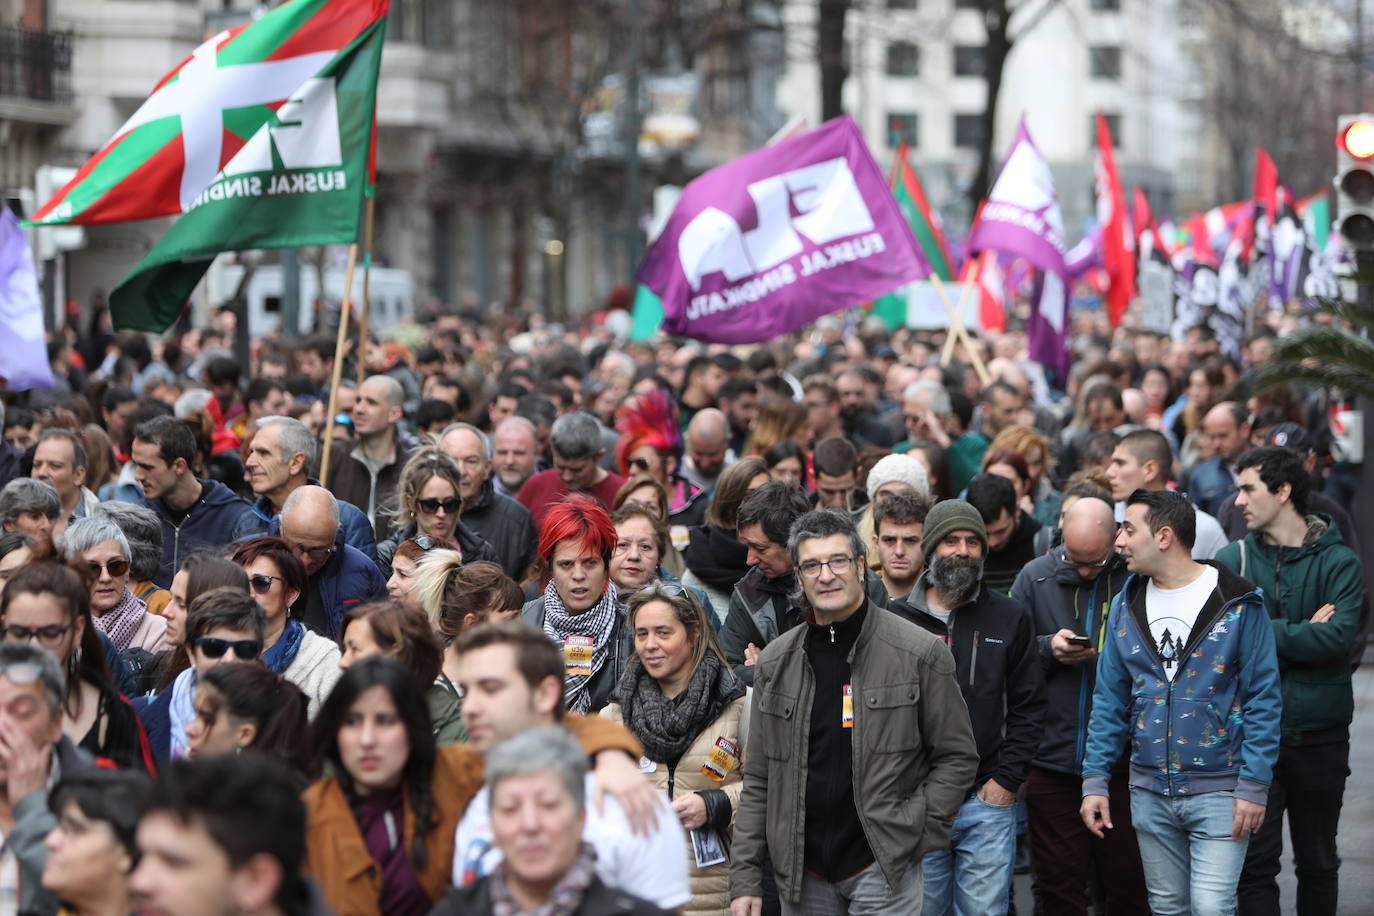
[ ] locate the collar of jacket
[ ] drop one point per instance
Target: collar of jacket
(1231, 589)
(485, 497)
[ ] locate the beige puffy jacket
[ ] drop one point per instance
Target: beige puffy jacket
(711, 885)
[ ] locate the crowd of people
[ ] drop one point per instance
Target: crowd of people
(544, 621)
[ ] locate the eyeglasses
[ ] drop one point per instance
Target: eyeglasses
(48, 635)
(315, 553)
(425, 542)
(262, 584)
(837, 565)
(432, 506)
(214, 647)
(1079, 564)
(116, 567)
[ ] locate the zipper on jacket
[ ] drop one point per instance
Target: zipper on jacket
(973, 660)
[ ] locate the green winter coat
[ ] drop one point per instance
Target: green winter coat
(1314, 658)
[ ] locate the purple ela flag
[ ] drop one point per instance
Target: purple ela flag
(1022, 218)
(24, 354)
(779, 237)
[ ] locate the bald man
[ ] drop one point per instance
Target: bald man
(708, 448)
(339, 575)
(1068, 593)
(371, 466)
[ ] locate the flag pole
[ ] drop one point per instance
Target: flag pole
(339, 352)
(952, 338)
(956, 321)
(367, 277)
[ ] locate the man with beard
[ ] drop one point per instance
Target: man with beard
(999, 674)
(515, 454)
(739, 399)
(708, 449)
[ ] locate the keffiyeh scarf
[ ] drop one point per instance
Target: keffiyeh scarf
(122, 621)
(598, 623)
(565, 898)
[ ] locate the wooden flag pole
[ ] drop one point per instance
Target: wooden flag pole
(956, 324)
(367, 277)
(339, 352)
(956, 321)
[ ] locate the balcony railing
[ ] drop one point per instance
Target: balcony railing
(35, 65)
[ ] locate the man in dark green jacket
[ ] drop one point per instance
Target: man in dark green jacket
(1313, 591)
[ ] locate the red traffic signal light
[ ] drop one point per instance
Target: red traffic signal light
(1357, 139)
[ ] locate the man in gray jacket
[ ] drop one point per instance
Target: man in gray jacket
(860, 751)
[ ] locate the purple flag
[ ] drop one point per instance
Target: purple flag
(24, 355)
(777, 238)
(1022, 218)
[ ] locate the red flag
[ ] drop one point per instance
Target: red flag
(1266, 180)
(1117, 246)
(1202, 247)
(992, 312)
(1140, 211)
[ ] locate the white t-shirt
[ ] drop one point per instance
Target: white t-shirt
(652, 867)
(1172, 613)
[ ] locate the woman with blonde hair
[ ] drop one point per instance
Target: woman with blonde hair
(779, 418)
(683, 702)
(428, 505)
(1035, 448)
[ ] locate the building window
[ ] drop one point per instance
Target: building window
(968, 131)
(1105, 6)
(1113, 130)
(968, 4)
(903, 127)
(968, 60)
(901, 4)
(1104, 62)
(903, 59)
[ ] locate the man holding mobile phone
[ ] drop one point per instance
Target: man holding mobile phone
(1068, 593)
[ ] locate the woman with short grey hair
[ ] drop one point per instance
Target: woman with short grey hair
(101, 553)
(143, 529)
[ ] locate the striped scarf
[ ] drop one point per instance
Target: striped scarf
(597, 622)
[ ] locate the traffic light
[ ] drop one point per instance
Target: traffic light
(1355, 180)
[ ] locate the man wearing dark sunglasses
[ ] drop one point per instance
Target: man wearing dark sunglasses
(279, 458)
(1068, 593)
(339, 574)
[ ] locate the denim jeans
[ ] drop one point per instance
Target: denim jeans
(1191, 863)
(973, 876)
(1309, 785)
(864, 894)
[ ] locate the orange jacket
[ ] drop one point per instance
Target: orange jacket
(337, 858)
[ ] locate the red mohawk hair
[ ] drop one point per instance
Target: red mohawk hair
(647, 419)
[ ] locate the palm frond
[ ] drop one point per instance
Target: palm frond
(1327, 344)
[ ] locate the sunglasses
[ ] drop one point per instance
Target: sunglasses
(116, 567)
(425, 542)
(663, 588)
(432, 506)
(214, 647)
(22, 672)
(47, 635)
(639, 464)
(262, 584)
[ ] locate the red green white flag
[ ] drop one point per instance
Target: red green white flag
(930, 238)
(261, 138)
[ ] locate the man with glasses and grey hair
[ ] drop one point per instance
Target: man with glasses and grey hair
(280, 458)
(998, 672)
(1068, 593)
(34, 754)
(575, 441)
(860, 751)
(30, 506)
(339, 574)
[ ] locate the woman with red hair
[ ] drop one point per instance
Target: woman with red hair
(579, 609)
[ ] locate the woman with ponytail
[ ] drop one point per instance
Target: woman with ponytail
(250, 707)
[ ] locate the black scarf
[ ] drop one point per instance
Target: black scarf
(667, 727)
(716, 557)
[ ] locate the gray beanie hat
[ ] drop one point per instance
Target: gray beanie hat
(945, 518)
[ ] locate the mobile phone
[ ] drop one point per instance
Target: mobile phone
(1076, 640)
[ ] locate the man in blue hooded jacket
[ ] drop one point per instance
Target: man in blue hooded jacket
(1188, 678)
(196, 514)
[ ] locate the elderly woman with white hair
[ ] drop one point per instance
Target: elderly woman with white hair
(101, 552)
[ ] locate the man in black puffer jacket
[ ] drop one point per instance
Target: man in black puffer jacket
(1068, 593)
(999, 675)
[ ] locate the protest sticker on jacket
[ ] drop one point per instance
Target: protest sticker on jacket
(779, 237)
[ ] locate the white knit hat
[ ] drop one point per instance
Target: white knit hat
(899, 469)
